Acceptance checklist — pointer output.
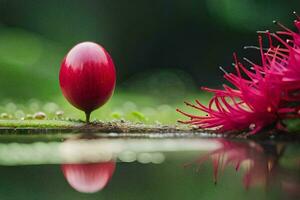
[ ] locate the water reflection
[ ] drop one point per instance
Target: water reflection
(90, 177)
(262, 165)
(88, 165)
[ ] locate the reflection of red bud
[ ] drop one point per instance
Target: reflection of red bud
(88, 178)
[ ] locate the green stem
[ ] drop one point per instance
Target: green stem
(87, 117)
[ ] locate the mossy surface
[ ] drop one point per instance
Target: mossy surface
(39, 124)
(61, 126)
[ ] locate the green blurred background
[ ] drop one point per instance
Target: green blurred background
(163, 49)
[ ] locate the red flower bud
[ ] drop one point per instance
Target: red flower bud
(87, 77)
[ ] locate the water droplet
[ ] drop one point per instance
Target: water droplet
(59, 113)
(252, 126)
(39, 115)
(4, 116)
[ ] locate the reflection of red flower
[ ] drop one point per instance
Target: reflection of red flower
(260, 165)
(248, 155)
(88, 178)
(291, 188)
(262, 97)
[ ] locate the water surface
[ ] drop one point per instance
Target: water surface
(89, 167)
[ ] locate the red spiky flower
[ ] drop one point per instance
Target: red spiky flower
(288, 55)
(260, 95)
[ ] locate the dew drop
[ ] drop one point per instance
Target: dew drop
(252, 126)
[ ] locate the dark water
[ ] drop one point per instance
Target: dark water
(148, 169)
